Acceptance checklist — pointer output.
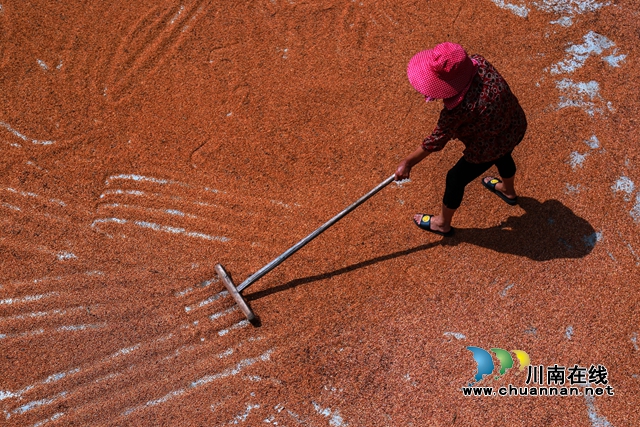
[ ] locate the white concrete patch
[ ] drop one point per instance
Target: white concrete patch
(265, 357)
(241, 418)
(67, 328)
(503, 293)
(565, 21)
(581, 95)
(108, 220)
(8, 395)
(570, 7)
(173, 212)
(37, 403)
(594, 45)
(634, 341)
(159, 227)
(576, 159)
(127, 192)
(57, 377)
(595, 419)
(50, 379)
(74, 328)
(63, 256)
(124, 351)
(271, 419)
(228, 352)
(614, 59)
(625, 185)
(519, 10)
(42, 64)
(593, 142)
(142, 178)
(239, 325)
(161, 181)
(48, 420)
(30, 298)
(569, 332)
(177, 15)
(456, 335)
(335, 419)
(207, 301)
(8, 206)
(24, 137)
(572, 189)
(220, 314)
(178, 213)
(202, 285)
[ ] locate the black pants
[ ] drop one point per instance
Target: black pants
(464, 172)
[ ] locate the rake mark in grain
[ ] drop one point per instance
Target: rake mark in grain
(82, 390)
(149, 43)
(135, 201)
(85, 376)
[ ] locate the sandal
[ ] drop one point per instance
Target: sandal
(425, 224)
(491, 186)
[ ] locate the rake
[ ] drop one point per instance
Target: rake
(235, 292)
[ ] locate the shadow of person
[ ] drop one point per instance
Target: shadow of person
(304, 280)
(546, 231)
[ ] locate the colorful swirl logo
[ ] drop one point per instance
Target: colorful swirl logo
(485, 361)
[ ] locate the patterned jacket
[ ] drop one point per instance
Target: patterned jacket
(489, 121)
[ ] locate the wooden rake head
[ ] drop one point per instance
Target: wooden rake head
(233, 291)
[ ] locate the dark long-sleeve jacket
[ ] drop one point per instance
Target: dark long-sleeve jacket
(489, 121)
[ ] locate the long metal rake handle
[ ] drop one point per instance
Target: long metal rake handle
(273, 264)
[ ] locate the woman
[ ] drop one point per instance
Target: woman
(479, 110)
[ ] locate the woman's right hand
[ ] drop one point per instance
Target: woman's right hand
(403, 171)
(404, 168)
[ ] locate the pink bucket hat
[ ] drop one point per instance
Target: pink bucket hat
(442, 72)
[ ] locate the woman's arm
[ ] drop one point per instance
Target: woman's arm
(404, 168)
